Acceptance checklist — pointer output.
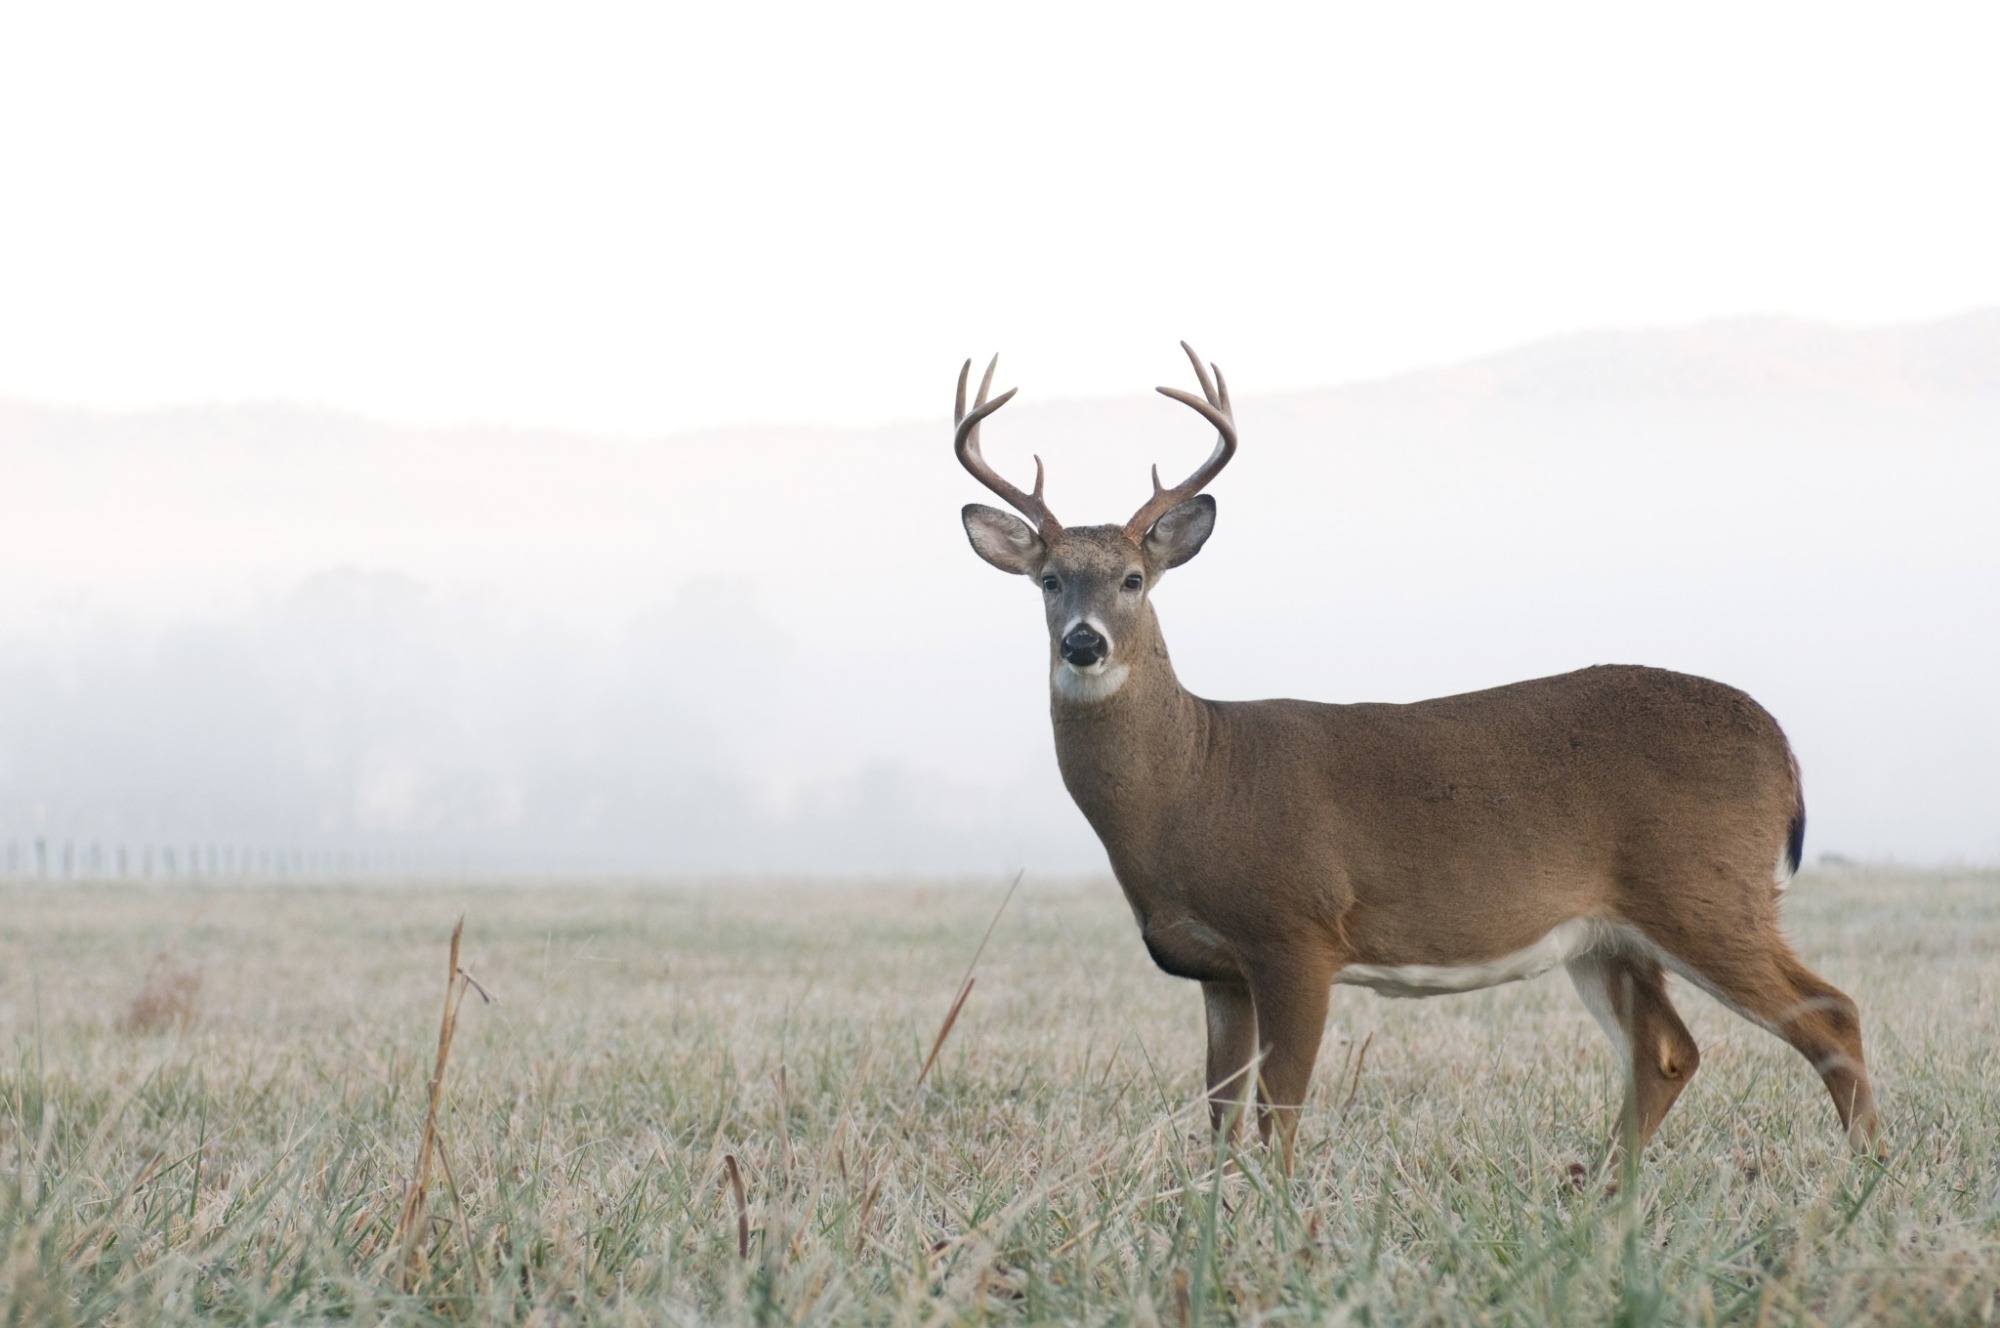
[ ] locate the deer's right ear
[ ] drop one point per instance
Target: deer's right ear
(1007, 542)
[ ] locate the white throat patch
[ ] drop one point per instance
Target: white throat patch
(1087, 685)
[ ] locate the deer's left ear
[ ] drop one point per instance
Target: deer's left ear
(1179, 535)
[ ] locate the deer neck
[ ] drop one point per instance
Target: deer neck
(1126, 747)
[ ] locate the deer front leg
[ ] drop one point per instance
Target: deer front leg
(1232, 1053)
(1291, 998)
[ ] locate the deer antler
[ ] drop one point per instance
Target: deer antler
(1216, 411)
(966, 444)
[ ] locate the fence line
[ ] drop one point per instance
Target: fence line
(67, 859)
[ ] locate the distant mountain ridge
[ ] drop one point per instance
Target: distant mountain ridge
(1954, 355)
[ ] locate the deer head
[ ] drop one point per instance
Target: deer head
(1095, 580)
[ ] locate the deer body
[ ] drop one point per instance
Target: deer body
(1406, 837)
(1619, 821)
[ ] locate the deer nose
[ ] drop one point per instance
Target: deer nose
(1083, 647)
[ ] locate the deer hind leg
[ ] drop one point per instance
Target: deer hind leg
(1628, 996)
(1765, 982)
(1232, 1052)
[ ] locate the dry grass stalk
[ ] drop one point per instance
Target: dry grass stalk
(944, 1031)
(861, 1222)
(415, 1206)
(735, 1177)
(964, 990)
(458, 1203)
(1354, 1084)
(165, 999)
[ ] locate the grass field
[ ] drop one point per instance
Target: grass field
(211, 1100)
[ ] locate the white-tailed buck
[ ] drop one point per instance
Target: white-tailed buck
(1620, 821)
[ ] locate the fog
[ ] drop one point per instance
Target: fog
(263, 632)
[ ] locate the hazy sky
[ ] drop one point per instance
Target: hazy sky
(648, 218)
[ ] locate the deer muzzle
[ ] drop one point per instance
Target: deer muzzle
(1084, 647)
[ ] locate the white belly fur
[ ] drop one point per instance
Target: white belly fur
(1564, 941)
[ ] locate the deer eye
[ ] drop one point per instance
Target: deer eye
(1133, 581)
(1051, 585)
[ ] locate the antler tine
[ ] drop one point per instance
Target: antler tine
(1213, 406)
(1201, 372)
(966, 443)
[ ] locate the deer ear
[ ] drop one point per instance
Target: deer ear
(1179, 535)
(1007, 542)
